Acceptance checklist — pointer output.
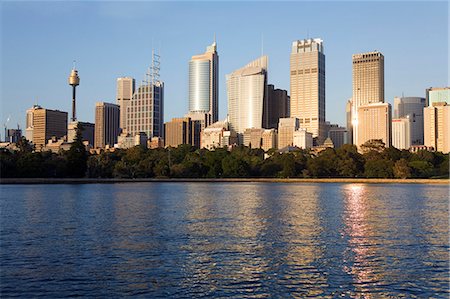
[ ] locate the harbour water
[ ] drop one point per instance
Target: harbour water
(235, 240)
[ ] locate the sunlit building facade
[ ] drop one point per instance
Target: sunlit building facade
(411, 107)
(247, 92)
(307, 77)
(124, 94)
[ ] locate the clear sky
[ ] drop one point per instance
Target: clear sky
(39, 41)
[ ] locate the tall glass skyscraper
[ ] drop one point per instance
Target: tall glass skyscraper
(308, 86)
(247, 95)
(203, 85)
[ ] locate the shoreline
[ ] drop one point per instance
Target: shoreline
(32, 181)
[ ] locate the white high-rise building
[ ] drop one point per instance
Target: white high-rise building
(411, 107)
(203, 85)
(247, 92)
(401, 132)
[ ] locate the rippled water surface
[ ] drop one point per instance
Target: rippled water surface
(237, 240)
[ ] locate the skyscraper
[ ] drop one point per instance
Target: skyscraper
(437, 126)
(29, 123)
(125, 91)
(247, 95)
(47, 124)
(401, 132)
(107, 120)
(277, 107)
(145, 112)
(308, 86)
(204, 84)
(411, 107)
(368, 88)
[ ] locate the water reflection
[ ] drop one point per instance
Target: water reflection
(251, 240)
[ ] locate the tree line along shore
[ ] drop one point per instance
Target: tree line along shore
(243, 162)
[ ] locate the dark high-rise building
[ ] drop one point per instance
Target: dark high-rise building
(277, 107)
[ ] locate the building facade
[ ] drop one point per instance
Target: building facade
(286, 129)
(247, 96)
(204, 84)
(87, 132)
(29, 125)
(260, 138)
(411, 107)
(437, 127)
(278, 106)
(302, 139)
(401, 132)
(437, 95)
(107, 124)
(368, 87)
(338, 135)
(307, 77)
(374, 122)
(47, 124)
(124, 94)
(182, 130)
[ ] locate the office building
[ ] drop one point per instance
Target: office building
(401, 132)
(349, 116)
(307, 76)
(374, 122)
(286, 129)
(368, 87)
(107, 122)
(124, 94)
(47, 124)
(218, 135)
(145, 112)
(182, 131)
(437, 95)
(260, 138)
(437, 127)
(125, 140)
(302, 139)
(87, 132)
(29, 125)
(203, 86)
(247, 96)
(278, 106)
(338, 135)
(411, 107)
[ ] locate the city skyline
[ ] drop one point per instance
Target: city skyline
(99, 66)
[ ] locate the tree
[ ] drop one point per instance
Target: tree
(401, 169)
(379, 169)
(376, 145)
(77, 156)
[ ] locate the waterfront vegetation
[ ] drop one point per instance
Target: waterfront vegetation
(241, 162)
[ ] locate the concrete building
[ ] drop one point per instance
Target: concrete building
(307, 76)
(155, 142)
(278, 106)
(13, 135)
(368, 86)
(125, 140)
(247, 96)
(260, 138)
(286, 129)
(348, 112)
(182, 131)
(204, 85)
(437, 127)
(338, 135)
(218, 135)
(437, 95)
(124, 94)
(401, 132)
(411, 107)
(107, 124)
(374, 122)
(47, 124)
(87, 133)
(302, 139)
(29, 125)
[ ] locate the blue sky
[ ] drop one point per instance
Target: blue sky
(39, 41)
